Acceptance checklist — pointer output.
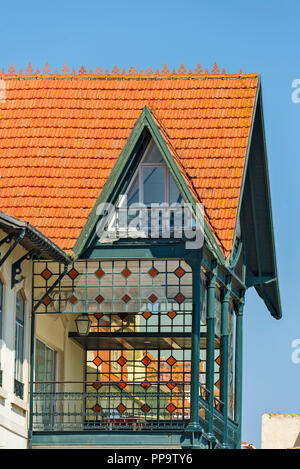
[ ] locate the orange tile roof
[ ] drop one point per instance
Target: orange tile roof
(61, 135)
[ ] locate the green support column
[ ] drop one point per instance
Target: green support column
(194, 429)
(224, 368)
(32, 343)
(210, 351)
(239, 367)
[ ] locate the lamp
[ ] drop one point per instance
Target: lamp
(83, 324)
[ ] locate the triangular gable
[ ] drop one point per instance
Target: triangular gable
(255, 215)
(146, 125)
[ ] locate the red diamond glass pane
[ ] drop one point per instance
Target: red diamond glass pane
(122, 360)
(47, 300)
(179, 298)
(126, 298)
(73, 299)
(172, 314)
(121, 408)
(145, 384)
(98, 315)
(171, 384)
(152, 298)
(96, 408)
(122, 384)
(218, 360)
(153, 272)
(46, 274)
(97, 385)
(147, 314)
(99, 273)
(146, 360)
(97, 361)
(171, 407)
(145, 408)
(179, 272)
(126, 272)
(171, 360)
(73, 273)
(99, 299)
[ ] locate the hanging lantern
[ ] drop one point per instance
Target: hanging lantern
(83, 324)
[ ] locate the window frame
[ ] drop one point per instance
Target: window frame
(19, 326)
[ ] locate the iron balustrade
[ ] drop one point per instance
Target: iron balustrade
(61, 406)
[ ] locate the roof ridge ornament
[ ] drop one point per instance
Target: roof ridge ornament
(115, 72)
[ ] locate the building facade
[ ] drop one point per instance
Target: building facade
(151, 196)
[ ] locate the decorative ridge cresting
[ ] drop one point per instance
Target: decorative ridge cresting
(117, 73)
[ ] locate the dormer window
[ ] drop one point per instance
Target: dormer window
(153, 182)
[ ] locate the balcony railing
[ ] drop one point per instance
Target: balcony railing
(64, 407)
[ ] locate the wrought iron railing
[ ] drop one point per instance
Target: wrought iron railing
(67, 407)
(123, 409)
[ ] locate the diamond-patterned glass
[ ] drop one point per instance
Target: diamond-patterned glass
(172, 314)
(171, 360)
(98, 315)
(46, 274)
(171, 407)
(73, 273)
(146, 360)
(121, 408)
(126, 298)
(179, 272)
(73, 299)
(99, 299)
(145, 385)
(152, 298)
(47, 300)
(171, 384)
(96, 408)
(153, 272)
(179, 298)
(147, 314)
(122, 360)
(122, 384)
(218, 360)
(126, 272)
(97, 361)
(145, 408)
(99, 273)
(97, 385)
(218, 384)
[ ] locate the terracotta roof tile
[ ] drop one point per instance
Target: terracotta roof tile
(60, 138)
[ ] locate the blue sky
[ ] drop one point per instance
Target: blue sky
(259, 36)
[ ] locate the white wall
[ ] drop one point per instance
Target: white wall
(14, 411)
(280, 431)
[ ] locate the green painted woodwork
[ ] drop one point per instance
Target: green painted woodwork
(210, 359)
(224, 367)
(239, 367)
(122, 173)
(195, 263)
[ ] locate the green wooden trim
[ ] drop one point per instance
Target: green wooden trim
(258, 93)
(238, 372)
(210, 351)
(109, 438)
(118, 175)
(195, 262)
(224, 349)
(277, 314)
